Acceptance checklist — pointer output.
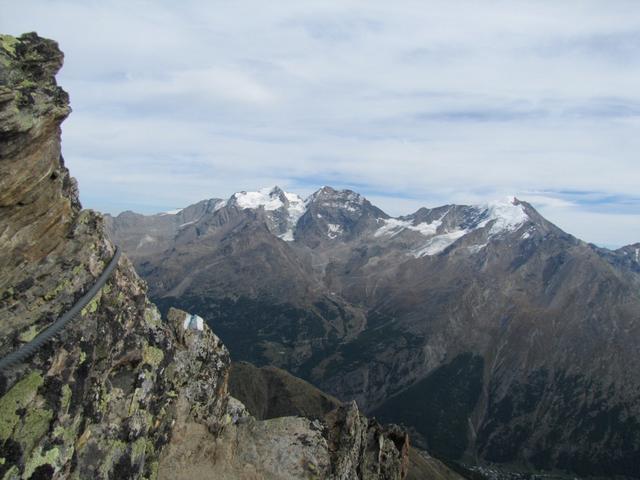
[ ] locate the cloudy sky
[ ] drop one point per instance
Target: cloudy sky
(410, 103)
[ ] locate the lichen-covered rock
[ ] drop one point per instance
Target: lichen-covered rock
(102, 399)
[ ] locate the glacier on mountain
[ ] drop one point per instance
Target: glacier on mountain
(504, 216)
(284, 210)
(267, 198)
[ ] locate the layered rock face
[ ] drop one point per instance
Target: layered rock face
(492, 333)
(101, 399)
(121, 392)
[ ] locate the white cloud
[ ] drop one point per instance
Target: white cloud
(544, 201)
(435, 101)
(599, 228)
(206, 85)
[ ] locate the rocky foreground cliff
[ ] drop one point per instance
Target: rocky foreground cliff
(121, 392)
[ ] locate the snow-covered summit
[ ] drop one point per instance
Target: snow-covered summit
(283, 209)
(506, 215)
(441, 227)
(269, 198)
(456, 222)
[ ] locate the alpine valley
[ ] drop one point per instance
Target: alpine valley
(495, 337)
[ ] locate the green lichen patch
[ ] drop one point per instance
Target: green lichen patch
(66, 398)
(38, 459)
(65, 437)
(152, 469)
(152, 355)
(62, 286)
(77, 270)
(152, 316)
(93, 305)
(120, 298)
(17, 398)
(23, 121)
(135, 401)
(8, 44)
(30, 334)
(11, 473)
(105, 400)
(84, 217)
(34, 425)
(116, 451)
(27, 84)
(138, 449)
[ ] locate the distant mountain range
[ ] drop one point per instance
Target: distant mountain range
(491, 333)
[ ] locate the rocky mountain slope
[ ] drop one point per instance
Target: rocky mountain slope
(493, 334)
(269, 392)
(122, 392)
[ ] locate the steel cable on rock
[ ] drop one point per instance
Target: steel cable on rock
(28, 349)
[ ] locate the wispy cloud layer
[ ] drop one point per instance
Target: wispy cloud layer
(412, 103)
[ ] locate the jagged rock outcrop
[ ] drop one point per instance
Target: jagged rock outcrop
(345, 445)
(269, 392)
(101, 399)
(120, 392)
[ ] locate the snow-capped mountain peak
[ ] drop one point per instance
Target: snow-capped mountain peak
(448, 227)
(346, 200)
(269, 198)
(283, 209)
(339, 211)
(507, 215)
